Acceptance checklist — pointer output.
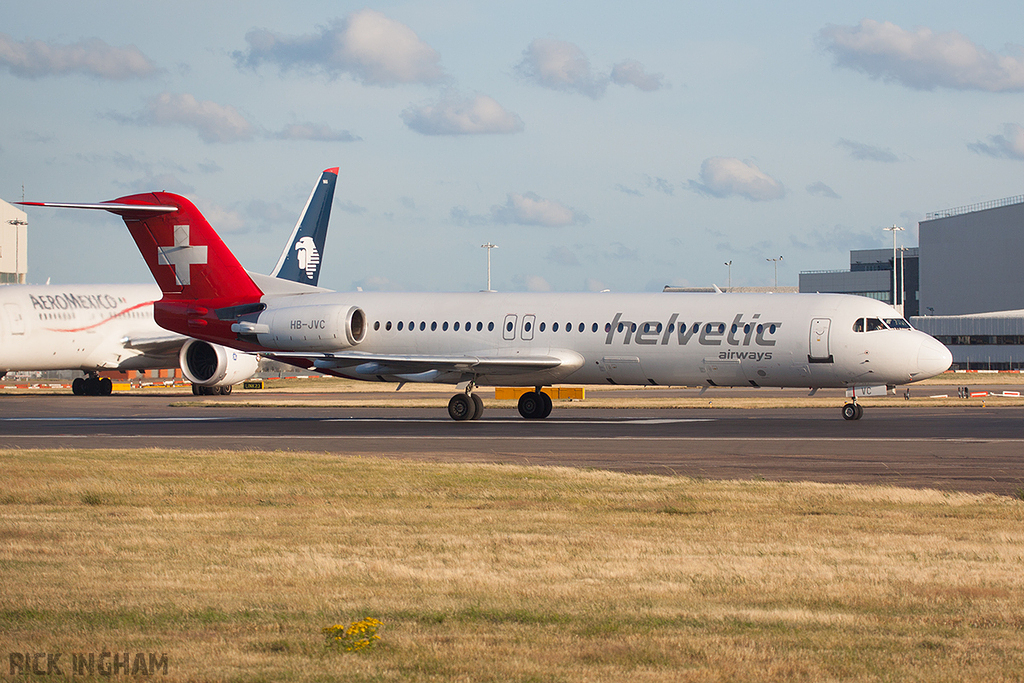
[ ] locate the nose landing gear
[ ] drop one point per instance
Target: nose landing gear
(853, 411)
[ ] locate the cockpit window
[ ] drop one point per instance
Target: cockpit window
(858, 325)
(898, 324)
(874, 324)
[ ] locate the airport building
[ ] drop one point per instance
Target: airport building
(13, 244)
(871, 275)
(964, 284)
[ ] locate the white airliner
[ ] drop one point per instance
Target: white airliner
(111, 327)
(531, 340)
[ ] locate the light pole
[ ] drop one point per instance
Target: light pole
(776, 262)
(894, 229)
(729, 264)
(903, 287)
(488, 247)
(17, 223)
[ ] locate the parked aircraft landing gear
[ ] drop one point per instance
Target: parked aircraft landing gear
(535, 405)
(853, 411)
(92, 385)
(466, 406)
(199, 390)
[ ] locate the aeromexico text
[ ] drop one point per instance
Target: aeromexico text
(63, 302)
(713, 333)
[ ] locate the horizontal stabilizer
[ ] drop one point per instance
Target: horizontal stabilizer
(112, 207)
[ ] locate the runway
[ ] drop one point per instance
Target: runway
(971, 449)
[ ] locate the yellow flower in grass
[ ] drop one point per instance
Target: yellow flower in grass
(359, 635)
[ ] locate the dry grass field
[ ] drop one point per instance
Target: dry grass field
(231, 563)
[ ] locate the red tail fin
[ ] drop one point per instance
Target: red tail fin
(185, 255)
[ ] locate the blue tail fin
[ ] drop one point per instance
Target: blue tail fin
(300, 260)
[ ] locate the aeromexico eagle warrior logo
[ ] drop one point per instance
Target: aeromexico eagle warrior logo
(181, 255)
(309, 257)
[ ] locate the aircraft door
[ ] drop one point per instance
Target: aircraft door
(508, 332)
(17, 323)
(529, 321)
(819, 346)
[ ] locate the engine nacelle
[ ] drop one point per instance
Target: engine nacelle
(311, 328)
(213, 365)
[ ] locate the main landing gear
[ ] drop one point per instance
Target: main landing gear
(535, 405)
(199, 390)
(466, 406)
(853, 411)
(92, 385)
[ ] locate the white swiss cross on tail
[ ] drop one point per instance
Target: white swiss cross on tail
(181, 255)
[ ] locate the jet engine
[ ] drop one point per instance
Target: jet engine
(308, 328)
(212, 365)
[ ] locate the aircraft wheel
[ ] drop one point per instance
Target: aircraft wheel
(104, 387)
(92, 386)
(225, 391)
(196, 390)
(533, 406)
(546, 405)
(78, 387)
(478, 403)
(461, 407)
(852, 411)
(860, 411)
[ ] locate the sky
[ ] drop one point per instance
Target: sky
(600, 145)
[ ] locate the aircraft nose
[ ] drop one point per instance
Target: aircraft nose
(932, 358)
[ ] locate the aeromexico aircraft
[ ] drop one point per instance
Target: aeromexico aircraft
(111, 327)
(530, 340)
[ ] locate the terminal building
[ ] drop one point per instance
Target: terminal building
(964, 284)
(871, 275)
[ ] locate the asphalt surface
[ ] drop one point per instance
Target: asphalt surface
(970, 448)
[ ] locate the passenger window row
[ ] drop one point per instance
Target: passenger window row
(568, 327)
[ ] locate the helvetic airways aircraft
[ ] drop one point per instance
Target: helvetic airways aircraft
(487, 338)
(111, 327)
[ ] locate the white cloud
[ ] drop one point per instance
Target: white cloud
(563, 256)
(727, 176)
(863, 152)
(318, 132)
(378, 283)
(617, 251)
(660, 184)
(165, 182)
(530, 209)
(560, 65)
(632, 72)
(367, 45)
(91, 57)
(453, 116)
(214, 122)
(1009, 145)
(820, 189)
(222, 219)
(536, 283)
(921, 58)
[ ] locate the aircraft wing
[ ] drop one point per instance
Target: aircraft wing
(156, 345)
(416, 367)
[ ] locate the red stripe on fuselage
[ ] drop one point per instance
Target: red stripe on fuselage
(102, 322)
